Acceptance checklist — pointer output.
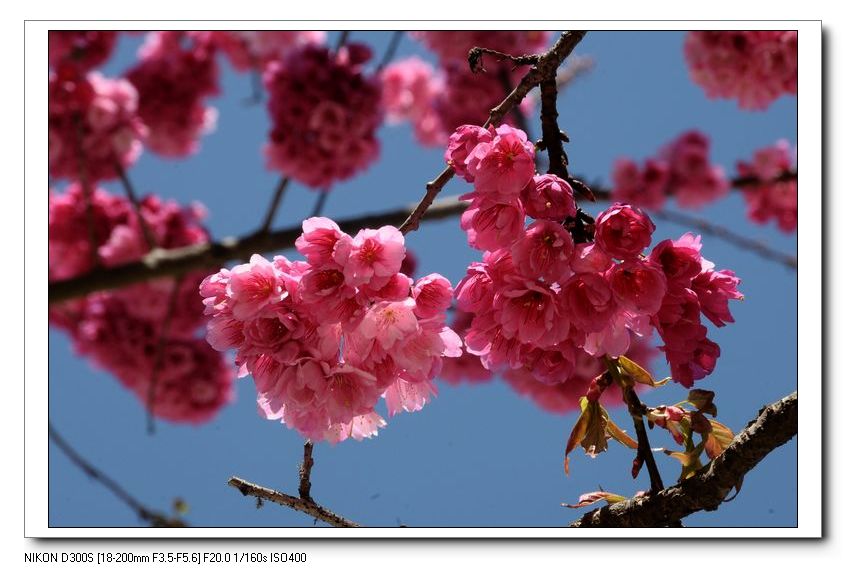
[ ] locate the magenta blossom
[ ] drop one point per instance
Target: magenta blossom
(623, 232)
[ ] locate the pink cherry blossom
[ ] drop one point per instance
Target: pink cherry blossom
(638, 286)
(623, 232)
(772, 199)
(503, 166)
(461, 144)
(324, 112)
(491, 225)
(454, 45)
(432, 296)
(753, 66)
(548, 197)
(589, 301)
(253, 287)
(172, 83)
(92, 116)
(372, 257)
(80, 49)
(694, 181)
(318, 240)
(646, 187)
(714, 289)
(544, 251)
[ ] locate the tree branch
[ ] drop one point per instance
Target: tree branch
(172, 262)
(775, 425)
(278, 193)
(305, 471)
(308, 506)
(152, 517)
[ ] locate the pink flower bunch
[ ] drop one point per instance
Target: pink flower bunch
(771, 199)
(540, 298)
(455, 44)
(563, 397)
(121, 330)
(326, 338)
(192, 381)
(176, 72)
(409, 89)
(80, 49)
(325, 112)
(93, 125)
(693, 288)
(753, 66)
(252, 50)
(117, 233)
(682, 169)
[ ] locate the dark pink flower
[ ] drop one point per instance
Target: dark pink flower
(639, 286)
(623, 232)
(548, 197)
(544, 251)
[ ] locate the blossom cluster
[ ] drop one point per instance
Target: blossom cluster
(541, 297)
(682, 169)
(436, 102)
(324, 113)
(81, 50)
(175, 73)
(753, 66)
(92, 127)
(326, 338)
(771, 199)
(144, 334)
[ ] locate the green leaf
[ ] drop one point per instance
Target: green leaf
(689, 460)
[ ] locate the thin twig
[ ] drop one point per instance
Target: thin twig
(136, 205)
(644, 450)
(278, 193)
(546, 65)
(517, 112)
(85, 182)
(160, 351)
(146, 514)
(305, 471)
(322, 197)
(393, 44)
(342, 40)
(576, 66)
(775, 425)
(309, 506)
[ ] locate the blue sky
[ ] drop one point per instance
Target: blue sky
(476, 456)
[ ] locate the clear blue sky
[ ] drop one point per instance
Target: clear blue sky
(476, 456)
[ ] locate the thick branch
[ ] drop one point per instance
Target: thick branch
(305, 506)
(170, 263)
(775, 425)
